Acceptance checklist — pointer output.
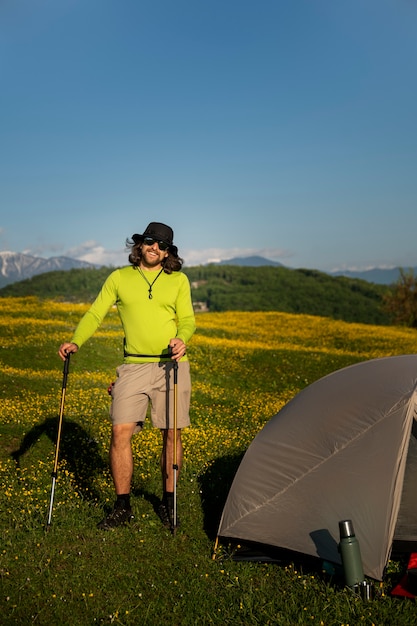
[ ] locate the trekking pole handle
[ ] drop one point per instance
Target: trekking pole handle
(174, 364)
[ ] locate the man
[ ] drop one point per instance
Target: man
(154, 303)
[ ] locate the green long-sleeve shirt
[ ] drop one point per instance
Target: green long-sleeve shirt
(148, 323)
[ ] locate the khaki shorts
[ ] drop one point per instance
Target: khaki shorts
(138, 385)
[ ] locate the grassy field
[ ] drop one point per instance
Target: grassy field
(245, 367)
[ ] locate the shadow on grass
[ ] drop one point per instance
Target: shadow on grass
(214, 487)
(152, 498)
(76, 447)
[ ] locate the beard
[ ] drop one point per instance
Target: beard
(151, 261)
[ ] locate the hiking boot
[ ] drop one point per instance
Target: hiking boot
(118, 517)
(166, 514)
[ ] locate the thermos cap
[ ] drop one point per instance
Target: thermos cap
(346, 529)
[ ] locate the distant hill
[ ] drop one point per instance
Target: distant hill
(15, 266)
(73, 285)
(233, 288)
(375, 275)
(251, 261)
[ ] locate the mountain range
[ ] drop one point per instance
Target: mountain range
(16, 266)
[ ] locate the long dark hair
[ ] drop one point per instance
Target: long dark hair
(171, 263)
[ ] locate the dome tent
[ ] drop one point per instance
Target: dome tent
(343, 448)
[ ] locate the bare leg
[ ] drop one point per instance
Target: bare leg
(121, 465)
(121, 458)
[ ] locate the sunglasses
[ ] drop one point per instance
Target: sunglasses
(149, 241)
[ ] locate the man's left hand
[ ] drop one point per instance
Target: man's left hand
(178, 348)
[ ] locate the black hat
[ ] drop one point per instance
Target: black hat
(159, 232)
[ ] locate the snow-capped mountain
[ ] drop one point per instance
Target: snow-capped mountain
(15, 266)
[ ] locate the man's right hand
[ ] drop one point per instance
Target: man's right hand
(67, 348)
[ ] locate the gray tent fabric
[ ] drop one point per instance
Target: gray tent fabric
(343, 448)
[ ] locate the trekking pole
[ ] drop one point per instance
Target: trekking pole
(175, 460)
(58, 438)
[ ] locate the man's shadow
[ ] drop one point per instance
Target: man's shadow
(214, 484)
(79, 450)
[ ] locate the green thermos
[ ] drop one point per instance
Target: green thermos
(351, 554)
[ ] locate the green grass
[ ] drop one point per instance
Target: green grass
(245, 367)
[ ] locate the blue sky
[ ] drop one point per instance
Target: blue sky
(283, 128)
